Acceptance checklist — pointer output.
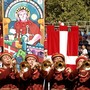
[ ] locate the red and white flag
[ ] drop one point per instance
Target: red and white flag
(10, 49)
(63, 40)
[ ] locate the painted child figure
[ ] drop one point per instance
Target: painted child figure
(25, 26)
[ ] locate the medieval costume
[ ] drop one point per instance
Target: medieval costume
(32, 79)
(80, 77)
(8, 76)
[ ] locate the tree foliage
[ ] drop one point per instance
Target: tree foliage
(67, 10)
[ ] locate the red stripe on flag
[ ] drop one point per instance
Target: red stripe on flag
(10, 49)
(73, 40)
(52, 40)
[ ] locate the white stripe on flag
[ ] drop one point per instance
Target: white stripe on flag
(63, 35)
(9, 49)
(63, 42)
(71, 60)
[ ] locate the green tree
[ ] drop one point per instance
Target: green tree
(67, 10)
(0, 11)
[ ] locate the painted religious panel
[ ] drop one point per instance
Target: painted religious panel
(23, 27)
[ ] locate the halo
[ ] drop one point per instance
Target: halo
(18, 3)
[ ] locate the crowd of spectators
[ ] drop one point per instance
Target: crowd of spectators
(84, 44)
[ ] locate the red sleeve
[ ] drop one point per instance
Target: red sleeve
(50, 75)
(27, 74)
(73, 75)
(4, 72)
(17, 27)
(36, 74)
(46, 75)
(34, 29)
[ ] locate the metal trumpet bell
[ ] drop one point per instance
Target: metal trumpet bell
(59, 66)
(46, 65)
(86, 65)
(24, 66)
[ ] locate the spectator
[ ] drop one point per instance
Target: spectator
(85, 34)
(88, 39)
(46, 56)
(84, 41)
(88, 49)
(84, 51)
(79, 50)
(80, 36)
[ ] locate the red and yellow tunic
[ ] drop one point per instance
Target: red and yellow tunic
(33, 28)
